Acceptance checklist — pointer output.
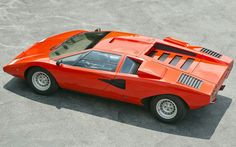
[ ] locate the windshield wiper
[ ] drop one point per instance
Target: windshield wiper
(65, 46)
(57, 53)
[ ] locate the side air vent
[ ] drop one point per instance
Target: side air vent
(210, 52)
(190, 81)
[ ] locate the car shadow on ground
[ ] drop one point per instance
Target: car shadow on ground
(199, 123)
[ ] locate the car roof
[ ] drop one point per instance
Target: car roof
(125, 43)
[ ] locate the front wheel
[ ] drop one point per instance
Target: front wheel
(168, 108)
(41, 81)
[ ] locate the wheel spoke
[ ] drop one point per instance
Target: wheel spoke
(41, 81)
(166, 108)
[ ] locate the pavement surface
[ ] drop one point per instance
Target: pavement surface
(73, 119)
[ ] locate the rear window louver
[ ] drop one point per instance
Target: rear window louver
(163, 57)
(187, 64)
(175, 60)
(152, 53)
(210, 52)
(190, 81)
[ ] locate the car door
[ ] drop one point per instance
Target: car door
(87, 71)
(131, 87)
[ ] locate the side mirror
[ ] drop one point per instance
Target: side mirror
(59, 62)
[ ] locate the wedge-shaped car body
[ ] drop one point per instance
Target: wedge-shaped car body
(170, 76)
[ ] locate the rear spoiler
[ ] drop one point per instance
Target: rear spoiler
(177, 42)
(180, 43)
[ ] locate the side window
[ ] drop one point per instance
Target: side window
(71, 60)
(130, 66)
(100, 61)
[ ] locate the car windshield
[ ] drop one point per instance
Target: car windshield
(78, 42)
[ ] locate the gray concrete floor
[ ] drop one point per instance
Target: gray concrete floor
(73, 119)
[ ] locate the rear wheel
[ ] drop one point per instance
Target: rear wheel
(168, 108)
(41, 81)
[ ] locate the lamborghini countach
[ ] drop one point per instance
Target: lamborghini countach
(168, 76)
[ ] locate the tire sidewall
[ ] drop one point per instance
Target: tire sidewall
(53, 87)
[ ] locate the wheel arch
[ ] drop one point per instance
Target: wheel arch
(146, 101)
(53, 86)
(31, 67)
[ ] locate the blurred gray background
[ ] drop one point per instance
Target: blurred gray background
(74, 119)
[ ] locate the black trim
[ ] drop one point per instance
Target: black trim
(152, 53)
(222, 87)
(119, 83)
(173, 49)
(97, 40)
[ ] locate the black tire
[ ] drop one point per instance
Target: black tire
(182, 108)
(53, 84)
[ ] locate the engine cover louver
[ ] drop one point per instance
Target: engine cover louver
(210, 52)
(190, 81)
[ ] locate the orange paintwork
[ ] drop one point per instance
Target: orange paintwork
(154, 77)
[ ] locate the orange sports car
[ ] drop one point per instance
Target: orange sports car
(170, 76)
